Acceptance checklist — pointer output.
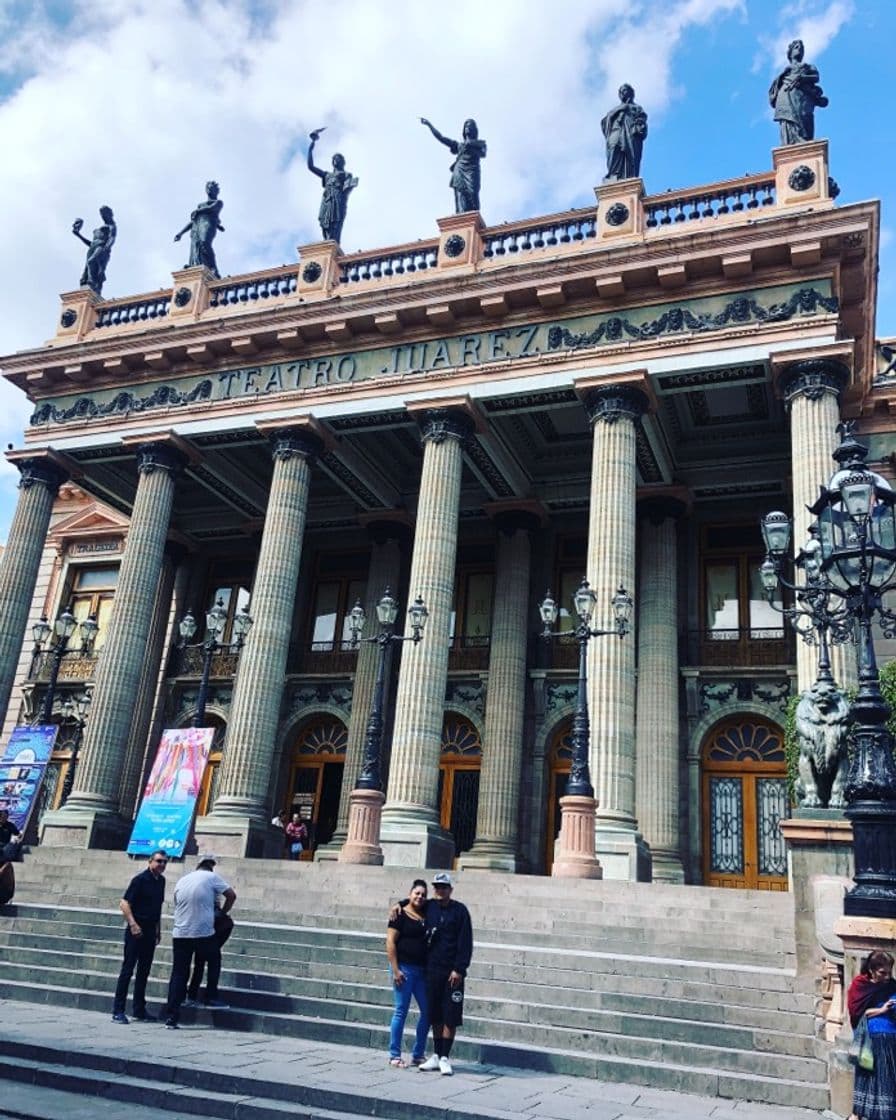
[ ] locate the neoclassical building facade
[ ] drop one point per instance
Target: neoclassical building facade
(616, 393)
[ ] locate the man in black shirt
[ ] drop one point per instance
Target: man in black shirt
(142, 909)
(449, 933)
(10, 838)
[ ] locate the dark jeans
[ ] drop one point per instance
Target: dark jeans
(139, 952)
(183, 949)
(223, 930)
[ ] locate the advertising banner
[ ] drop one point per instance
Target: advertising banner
(169, 800)
(22, 770)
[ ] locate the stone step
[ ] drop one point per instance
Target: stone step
(746, 1075)
(259, 992)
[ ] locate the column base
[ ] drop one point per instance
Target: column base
(624, 854)
(409, 840)
(574, 857)
(84, 828)
(362, 845)
(666, 866)
(329, 852)
(243, 837)
(488, 855)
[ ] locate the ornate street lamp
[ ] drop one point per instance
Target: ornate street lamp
(61, 633)
(215, 622)
(855, 564)
(576, 856)
(74, 708)
(362, 844)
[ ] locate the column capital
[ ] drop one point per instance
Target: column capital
(656, 506)
(611, 403)
(291, 443)
(160, 456)
(439, 424)
(387, 525)
(813, 378)
(40, 471)
(510, 517)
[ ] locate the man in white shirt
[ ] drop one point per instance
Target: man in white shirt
(194, 932)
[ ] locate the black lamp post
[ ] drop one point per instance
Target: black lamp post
(61, 630)
(856, 565)
(386, 612)
(215, 621)
(74, 709)
(584, 602)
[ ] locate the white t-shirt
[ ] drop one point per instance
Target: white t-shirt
(194, 903)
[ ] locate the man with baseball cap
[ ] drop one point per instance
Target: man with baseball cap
(194, 932)
(449, 934)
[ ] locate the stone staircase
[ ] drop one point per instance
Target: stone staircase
(683, 988)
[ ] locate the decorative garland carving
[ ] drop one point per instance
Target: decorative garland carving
(122, 404)
(678, 320)
(716, 694)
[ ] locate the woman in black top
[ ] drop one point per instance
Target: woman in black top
(406, 949)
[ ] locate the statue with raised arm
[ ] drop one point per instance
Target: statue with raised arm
(204, 223)
(794, 95)
(466, 174)
(625, 130)
(99, 249)
(337, 184)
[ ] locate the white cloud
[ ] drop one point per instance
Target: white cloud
(816, 23)
(138, 104)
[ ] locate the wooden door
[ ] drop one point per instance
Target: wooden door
(745, 796)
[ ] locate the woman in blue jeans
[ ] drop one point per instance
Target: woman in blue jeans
(406, 949)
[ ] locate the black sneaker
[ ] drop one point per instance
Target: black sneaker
(146, 1017)
(171, 1025)
(120, 1017)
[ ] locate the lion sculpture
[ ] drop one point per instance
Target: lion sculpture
(822, 715)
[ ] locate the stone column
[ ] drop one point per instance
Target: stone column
(239, 822)
(615, 412)
(130, 791)
(657, 728)
(90, 816)
(495, 847)
(812, 390)
(385, 571)
(38, 487)
(411, 834)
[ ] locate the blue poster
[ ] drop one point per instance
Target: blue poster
(169, 800)
(22, 770)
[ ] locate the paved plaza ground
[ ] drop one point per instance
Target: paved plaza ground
(83, 1064)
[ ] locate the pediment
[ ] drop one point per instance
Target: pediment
(92, 520)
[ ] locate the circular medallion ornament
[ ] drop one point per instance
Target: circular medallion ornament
(801, 178)
(69, 317)
(454, 245)
(182, 297)
(311, 272)
(617, 214)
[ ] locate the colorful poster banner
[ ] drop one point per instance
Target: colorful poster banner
(22, 770)
(169, 800)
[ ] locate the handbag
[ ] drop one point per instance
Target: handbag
(296, 847)
(860, 1052)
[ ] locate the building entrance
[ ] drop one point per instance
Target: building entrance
(315, 779)
(559, 763)
(744, 798)
(459, 780)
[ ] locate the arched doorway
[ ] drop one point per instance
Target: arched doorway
(315, 778)
(744, 798)
(459, 765)
(559, 763)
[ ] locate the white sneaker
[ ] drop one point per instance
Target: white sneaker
(445, 1067)
(430, 1064)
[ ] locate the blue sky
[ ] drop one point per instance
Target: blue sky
(136, 103)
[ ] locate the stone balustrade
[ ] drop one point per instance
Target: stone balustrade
(623, 215)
